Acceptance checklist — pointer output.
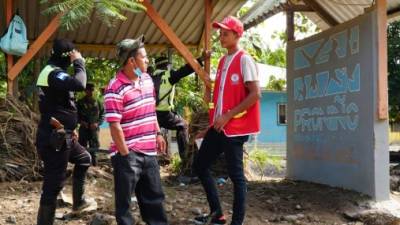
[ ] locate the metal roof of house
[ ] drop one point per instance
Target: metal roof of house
(186, 18)
(340, 10)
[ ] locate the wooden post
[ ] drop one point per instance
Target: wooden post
(176, 42)
(36, 72)
(382, 60)
(207, 32)
(207, 37)
(35, 47)
(10, 59)
(290, 25)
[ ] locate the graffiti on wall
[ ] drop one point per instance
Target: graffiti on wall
(336, 83)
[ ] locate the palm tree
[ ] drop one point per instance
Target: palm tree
(76, 12)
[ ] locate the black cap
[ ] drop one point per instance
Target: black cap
(62, 47)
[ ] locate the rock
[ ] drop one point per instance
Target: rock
(394, 182)
(168, 208)
(184, 179)
(101, 219)
(11, 219)
(298, 207)
(108, 195)
(293, 218)
(196, 211)
(63, 200)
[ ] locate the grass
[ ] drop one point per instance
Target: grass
(176, 163)
(260, 158)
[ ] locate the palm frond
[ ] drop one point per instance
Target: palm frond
(77, 12)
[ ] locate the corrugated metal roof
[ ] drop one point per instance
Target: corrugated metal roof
(186, 18)
(260, 10)
(340, 10)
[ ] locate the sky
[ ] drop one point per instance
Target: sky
(276, 23)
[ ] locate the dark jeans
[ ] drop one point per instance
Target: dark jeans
(173, 121)
(140, 174)
(55, 166)
(215, 143)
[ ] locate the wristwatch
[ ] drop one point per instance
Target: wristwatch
(159, 133)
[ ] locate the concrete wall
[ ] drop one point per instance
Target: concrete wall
(334, 136)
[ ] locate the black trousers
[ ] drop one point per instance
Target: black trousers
(55, 166)
(138, 173)
(173, 121)
(215, 143)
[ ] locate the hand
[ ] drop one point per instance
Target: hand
(75, 55)
(75, 136)
(220, 122)
(124, 153)
(161, 145)
(207, 54)
(94, 126)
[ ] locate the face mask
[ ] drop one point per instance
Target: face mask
(138, 72)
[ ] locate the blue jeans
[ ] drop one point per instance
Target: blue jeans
(214, 144)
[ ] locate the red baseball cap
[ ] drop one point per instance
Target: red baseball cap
(230, 23)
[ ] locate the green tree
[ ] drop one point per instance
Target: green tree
(394, 70)
(77, 12)
(3, 75)
(275, 84)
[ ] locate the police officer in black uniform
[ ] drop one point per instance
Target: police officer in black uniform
(58, 145)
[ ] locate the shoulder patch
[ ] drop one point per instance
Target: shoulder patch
(62, 76)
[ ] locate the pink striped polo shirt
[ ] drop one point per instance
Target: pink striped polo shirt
(132, 104)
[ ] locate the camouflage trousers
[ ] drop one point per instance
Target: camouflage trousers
(89, 138)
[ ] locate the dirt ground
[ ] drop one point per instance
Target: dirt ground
(271, 201)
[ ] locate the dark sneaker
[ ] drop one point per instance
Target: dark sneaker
(208, 220)
(86, 205)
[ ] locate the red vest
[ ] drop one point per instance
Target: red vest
(247, 122)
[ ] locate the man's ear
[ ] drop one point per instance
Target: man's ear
(133, 61)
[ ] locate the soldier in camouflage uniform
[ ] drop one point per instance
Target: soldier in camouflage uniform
(90, 115)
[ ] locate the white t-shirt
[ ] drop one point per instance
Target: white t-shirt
(249, 71)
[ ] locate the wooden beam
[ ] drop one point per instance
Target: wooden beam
(330, 20)
(298, 8)
(35, 47)
(207, 33)
(109, 48)
(393, 14)
(174, 39)
(383, 107)
(10, 59)
(290, 26)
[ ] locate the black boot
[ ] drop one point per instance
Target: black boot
(46, 214)
(78, 188)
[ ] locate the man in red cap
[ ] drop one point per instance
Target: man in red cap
(234, 115)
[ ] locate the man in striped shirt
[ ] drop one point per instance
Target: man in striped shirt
(130, 110)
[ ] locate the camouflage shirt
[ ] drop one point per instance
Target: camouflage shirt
(90, 110)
